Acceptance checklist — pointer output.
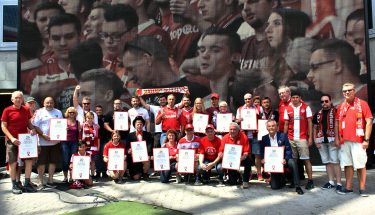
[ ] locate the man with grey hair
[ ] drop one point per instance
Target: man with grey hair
(16, 119)
(275, 138)
(285, 100)
(352, 133)
(235, 136)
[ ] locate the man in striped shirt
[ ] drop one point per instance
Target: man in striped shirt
(298, 126)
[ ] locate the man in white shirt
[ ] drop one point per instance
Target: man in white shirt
(154, 109)
(137, 110)
(49, 150)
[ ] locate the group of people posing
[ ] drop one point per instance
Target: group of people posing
(341, 134)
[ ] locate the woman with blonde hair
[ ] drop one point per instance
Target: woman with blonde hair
(70, 146)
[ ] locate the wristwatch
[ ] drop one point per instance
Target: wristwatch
(366, 140)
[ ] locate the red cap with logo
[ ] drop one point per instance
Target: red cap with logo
(214, 95)
(189, 126)
(210, 126)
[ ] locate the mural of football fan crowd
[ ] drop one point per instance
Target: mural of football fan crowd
(177, 88)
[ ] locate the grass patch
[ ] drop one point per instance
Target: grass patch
(125, 207)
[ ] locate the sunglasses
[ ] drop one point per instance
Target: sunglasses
(85, 103)
(347, 91)
(71, 112)
(324, 101)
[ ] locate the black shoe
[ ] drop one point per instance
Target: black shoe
(299, 190)
(16, 190)
(309, 185)
(145, 176)
(19, 185)
(292, 185)
(29, 188)
(104, 175)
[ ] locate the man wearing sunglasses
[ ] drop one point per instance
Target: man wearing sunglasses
(335, 59)
(82, 110)
(353, 129)
(324, 138)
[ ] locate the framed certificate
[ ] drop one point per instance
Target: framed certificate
(121, 120)
(161, 159)
(58, 129)
(262, 128)
(200, 122)
(116, 159)
(222, 121)
(249, 119)
(28, 147)
(81, 167)
(232, 157)
(273, 159)
(139, 151)
(186, 159)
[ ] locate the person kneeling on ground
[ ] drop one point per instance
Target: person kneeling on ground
(77, 184)
(138, 170)
(278, 139)
(116, 175)
(235, 136)
(170, 142)
(208, 155)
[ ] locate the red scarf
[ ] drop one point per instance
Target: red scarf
(319, 137)
(342, 114)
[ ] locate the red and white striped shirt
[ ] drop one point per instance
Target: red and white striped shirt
(297, 119)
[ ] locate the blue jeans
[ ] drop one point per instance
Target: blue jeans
(166, 175)
(205, 174)
(68, 148)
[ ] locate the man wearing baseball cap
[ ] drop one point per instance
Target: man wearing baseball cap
(214, 109)
(208, 155)
(190, 141)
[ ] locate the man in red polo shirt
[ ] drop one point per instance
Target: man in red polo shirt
(208, 155)
(186, 110)
(15, 120)
(239, 138)
(353, 129)
(298, 126)
(169, 116)
(284, 94)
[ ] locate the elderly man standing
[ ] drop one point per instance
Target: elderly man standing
(353, 129)
(236, 137)
(49, 151)
(16, 119)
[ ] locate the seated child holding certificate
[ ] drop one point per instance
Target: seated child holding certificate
(116, 175)
(77, 184)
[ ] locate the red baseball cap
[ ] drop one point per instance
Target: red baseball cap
(189, 126)
(210, 126)
(214, 95)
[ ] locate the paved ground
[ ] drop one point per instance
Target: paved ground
(207, 199)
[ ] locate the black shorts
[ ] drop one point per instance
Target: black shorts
(49, 154)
